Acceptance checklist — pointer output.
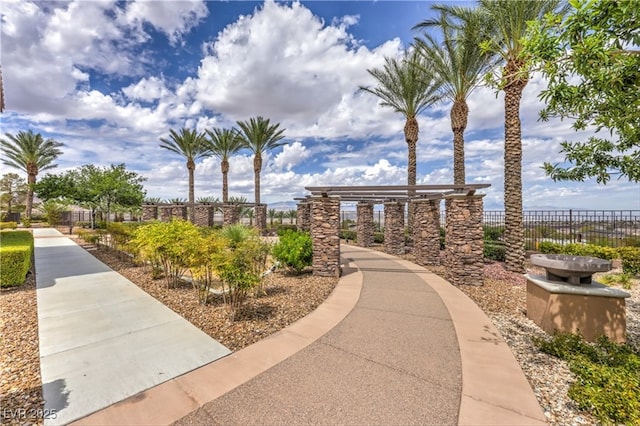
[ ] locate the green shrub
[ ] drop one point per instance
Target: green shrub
(608, 376)
(8, 225)
(294, 250)
(237, 233)
(493, 233)
(548, 247)
(590, 250)
(631, 241)
(623, 279)
(348, 235)
(630, 257)
(26, 222)
(283, 228)
(207, 256)
(495, 252)
(16, 250)
(378, 237)
(53, 211)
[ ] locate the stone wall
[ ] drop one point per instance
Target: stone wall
(364, 225)
(303, 217)
(231, 214)
(179, 211)
(165, 213)
(204, 215)
(261, 216)
(394, 228)
(464, 240)
(325, 233)
(426, 231)
(149, 212)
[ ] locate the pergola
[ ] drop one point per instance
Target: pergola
(319, 213)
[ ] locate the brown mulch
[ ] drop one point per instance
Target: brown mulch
(20, 384)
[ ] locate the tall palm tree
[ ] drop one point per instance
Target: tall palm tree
(259, 136)
(31, 153)
(190, 144)
(459, 63)
(509, 28)
(223, 143)
(409, 86)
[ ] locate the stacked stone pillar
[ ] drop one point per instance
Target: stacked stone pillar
(464, 240)
(394, 228)
(230, 214)
(303, 217)
(204, 215)
(261, 216)
(149, 212)
(426, 231)
(165, 213)
(365, 226)
(179, 211)
(325, 233)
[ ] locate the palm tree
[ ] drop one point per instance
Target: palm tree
(508, 20)
(459, 63)
(259, 136)
(292, 214)
(407, 86)
(31, 153)
(223, 143)
(272, 214)
(191, 145)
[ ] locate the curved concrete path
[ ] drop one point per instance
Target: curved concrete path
(103, 339)
(393, 344)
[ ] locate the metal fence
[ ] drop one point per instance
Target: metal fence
(613, 228)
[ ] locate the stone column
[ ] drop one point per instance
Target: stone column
(394, 227)
(149, 212)
(464, 240)
(325, 233)
(230, 214)
(179, 211)
(204, 215)
(303, 218)
(165, 212)
(364, 225)
(261, 216)
(426, 231)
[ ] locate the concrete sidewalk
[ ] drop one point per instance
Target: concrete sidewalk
(393, 344)
(103, 339)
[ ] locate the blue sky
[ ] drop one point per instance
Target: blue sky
(108, 79)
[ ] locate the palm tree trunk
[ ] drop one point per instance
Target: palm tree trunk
(191, 166)
(257, 167)
(32, 172)
(459, 116)
(513, 230)
(411, 131)
(224, 165)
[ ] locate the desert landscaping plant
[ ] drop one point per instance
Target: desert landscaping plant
(294, 250)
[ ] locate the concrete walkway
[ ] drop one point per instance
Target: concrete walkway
(393, 344)
(103, 339)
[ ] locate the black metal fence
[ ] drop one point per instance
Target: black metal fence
(613, 228)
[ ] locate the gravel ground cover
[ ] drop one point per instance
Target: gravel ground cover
(286, 299)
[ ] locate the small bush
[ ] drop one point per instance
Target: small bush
(608, 376)
(26, 222)
(348, 235)
(548, 247)
(493, 233)
(630, 260)
(8, 225)
(283, 228)
(295, 250)
(495, 252)
(16, 249)
(590, 250)
(631, 241)
(378, 237)
(623, 279)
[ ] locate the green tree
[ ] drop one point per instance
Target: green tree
(459, 63)
(508, 20)
(599, 42)
(191, 145)
(31, 153)
(223, 143)
(98, 188)
(14, 191)
(259, 136)
(272, 214)
(408, 86)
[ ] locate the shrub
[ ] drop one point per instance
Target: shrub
(493, 233)
(26, 222)
(348, 235)
(630, 260)
(53, 211)
(283, 228)
(608, 376)
(237, 233)
(167, 244)
(623, 279)
(207, 255)
(591, 250)
(294, 250)
(16, 249)
(8, 225)
(378, 237)
(548, 247)
(494, 251)
(631, 241)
